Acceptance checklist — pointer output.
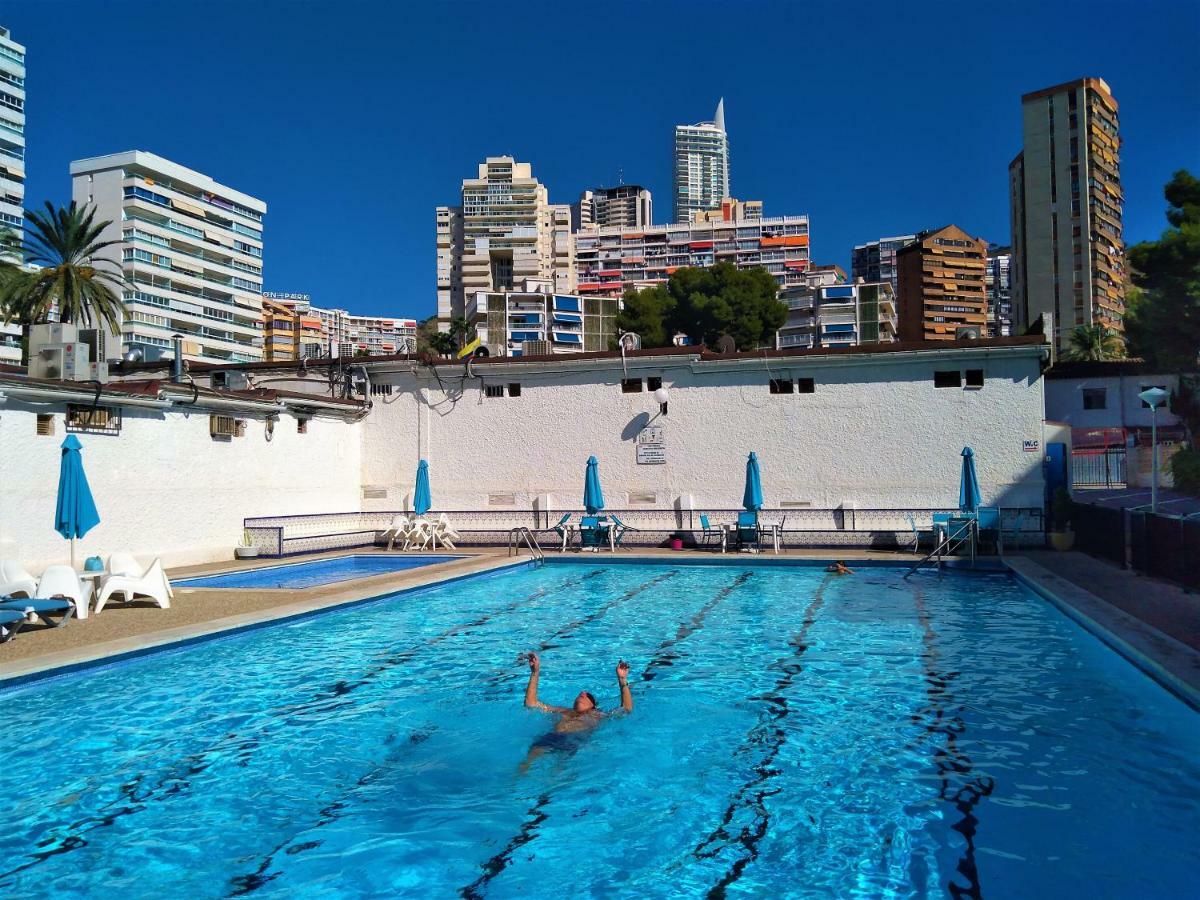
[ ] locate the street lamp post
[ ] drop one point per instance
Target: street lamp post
(1154, 398)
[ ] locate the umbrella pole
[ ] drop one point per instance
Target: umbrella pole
(72, 553)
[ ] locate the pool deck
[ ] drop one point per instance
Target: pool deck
(1155, 623)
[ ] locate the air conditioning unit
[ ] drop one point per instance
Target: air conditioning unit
(967, 333)
(536, 348)
(225, 426)
(231, 381)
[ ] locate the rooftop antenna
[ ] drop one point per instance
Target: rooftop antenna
(620, 176)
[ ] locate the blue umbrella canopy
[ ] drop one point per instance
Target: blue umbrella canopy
(968, 489)
(752, 499)
(593, 497)
(75, 512)
(422, 500)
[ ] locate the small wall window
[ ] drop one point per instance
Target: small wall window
(783, 386)
(493, 390)
(805, 386)
(974, 378)
(93, 419)
(378, 389)
(45, 424)
(1095, 398)
(302, 426)
(631, 385)
(514, 390)
(947, 379)
(226, 427)
(653, 383)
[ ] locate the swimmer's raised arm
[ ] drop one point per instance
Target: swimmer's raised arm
(531, 689)
(623, 683)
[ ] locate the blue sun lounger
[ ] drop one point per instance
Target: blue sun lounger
(44, 610)
(10, 623)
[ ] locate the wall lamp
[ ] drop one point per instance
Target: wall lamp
(662, 397)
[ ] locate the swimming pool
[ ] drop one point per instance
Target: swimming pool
(313, 573)
(795, 734)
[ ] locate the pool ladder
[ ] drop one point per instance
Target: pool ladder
(938, 551)
(517, 536)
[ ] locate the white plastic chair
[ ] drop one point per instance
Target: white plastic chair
(15, 580)
(399, 528)
(419, 535)
(127, 578)
(444, 532)
(61, 581)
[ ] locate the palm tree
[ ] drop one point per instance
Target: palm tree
(1095, 342)
(85, 290)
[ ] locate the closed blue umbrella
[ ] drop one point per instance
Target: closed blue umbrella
(422, 500)
(968, 489)
(75, 512)
(593, 497)
(752, 499)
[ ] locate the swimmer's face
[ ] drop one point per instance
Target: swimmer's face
(584, 702)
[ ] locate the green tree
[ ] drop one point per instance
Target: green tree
(1163, 314)
(64, 242)
(462, 333)
(706, 303)
(1094, 342)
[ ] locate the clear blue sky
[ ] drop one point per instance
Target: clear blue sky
(354, 119)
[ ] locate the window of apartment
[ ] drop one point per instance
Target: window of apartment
(493, 390)
(782, 386)
(974, 378)
(1095, 398)
(947, 379)
(1144, 387)
(45, 424)
(631, 385)
(805, 386)
(653, 383)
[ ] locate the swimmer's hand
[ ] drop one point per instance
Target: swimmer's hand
(622, 670)
(535, 664)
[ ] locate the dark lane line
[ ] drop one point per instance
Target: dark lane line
(135, 795)
(768, 732)
(959, 786)
(536, 814)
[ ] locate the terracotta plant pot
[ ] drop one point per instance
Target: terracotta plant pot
(1062, 540)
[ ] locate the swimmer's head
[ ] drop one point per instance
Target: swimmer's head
(585, 702)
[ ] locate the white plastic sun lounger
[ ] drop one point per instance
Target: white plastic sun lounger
(61, 581)
(15, 580)
(128, 579)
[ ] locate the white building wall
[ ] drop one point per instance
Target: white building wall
(875, 434)
(1064, 401)
(164, 487)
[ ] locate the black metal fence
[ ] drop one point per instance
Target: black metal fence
(1098, 468)
(1162, 546)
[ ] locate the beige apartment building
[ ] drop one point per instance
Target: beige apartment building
(1065, 194)
(943, 294)
(192, 253)
(505, 231)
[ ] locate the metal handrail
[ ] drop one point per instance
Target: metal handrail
(516, 535)
(956, 537)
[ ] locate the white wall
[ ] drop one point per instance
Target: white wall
(164, 487)
(876, 433)
(1064, 401)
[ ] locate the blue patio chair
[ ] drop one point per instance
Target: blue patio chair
(560, 528)
(988, 520)
(52, 612)
(710, 534)
(620, 530)
(10, 623)
(593, 533)
(749, 535)
(917, 532)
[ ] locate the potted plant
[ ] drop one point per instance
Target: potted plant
(246, 549)
(1062, 509)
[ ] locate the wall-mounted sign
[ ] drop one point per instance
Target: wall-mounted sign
(1031, 446)
(651, 449)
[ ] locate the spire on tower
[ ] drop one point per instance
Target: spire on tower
(719, 118)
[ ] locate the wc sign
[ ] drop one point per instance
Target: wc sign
(1031, 446)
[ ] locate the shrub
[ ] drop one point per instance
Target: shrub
(1185, 469)
(1062, 509)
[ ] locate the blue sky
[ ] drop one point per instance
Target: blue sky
(354, 119)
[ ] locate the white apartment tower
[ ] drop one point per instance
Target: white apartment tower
(12, 134)
(505, 231)
(191, 250)
(701, 166)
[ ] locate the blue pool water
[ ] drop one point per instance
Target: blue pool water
(795, 735)
(313, 573)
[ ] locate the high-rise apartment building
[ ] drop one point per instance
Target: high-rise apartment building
(191, 250)
(1065, 193)
(505, 231)
(296, 329)
(876, 260)
(609, 260)
(827, 312)
(623, 206)
(701, 166)
(291, 330)
(998, 279)
(12, 134)
(942, 294)
(535, 320)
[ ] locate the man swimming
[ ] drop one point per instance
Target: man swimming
(840, 568)
(575, 722)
